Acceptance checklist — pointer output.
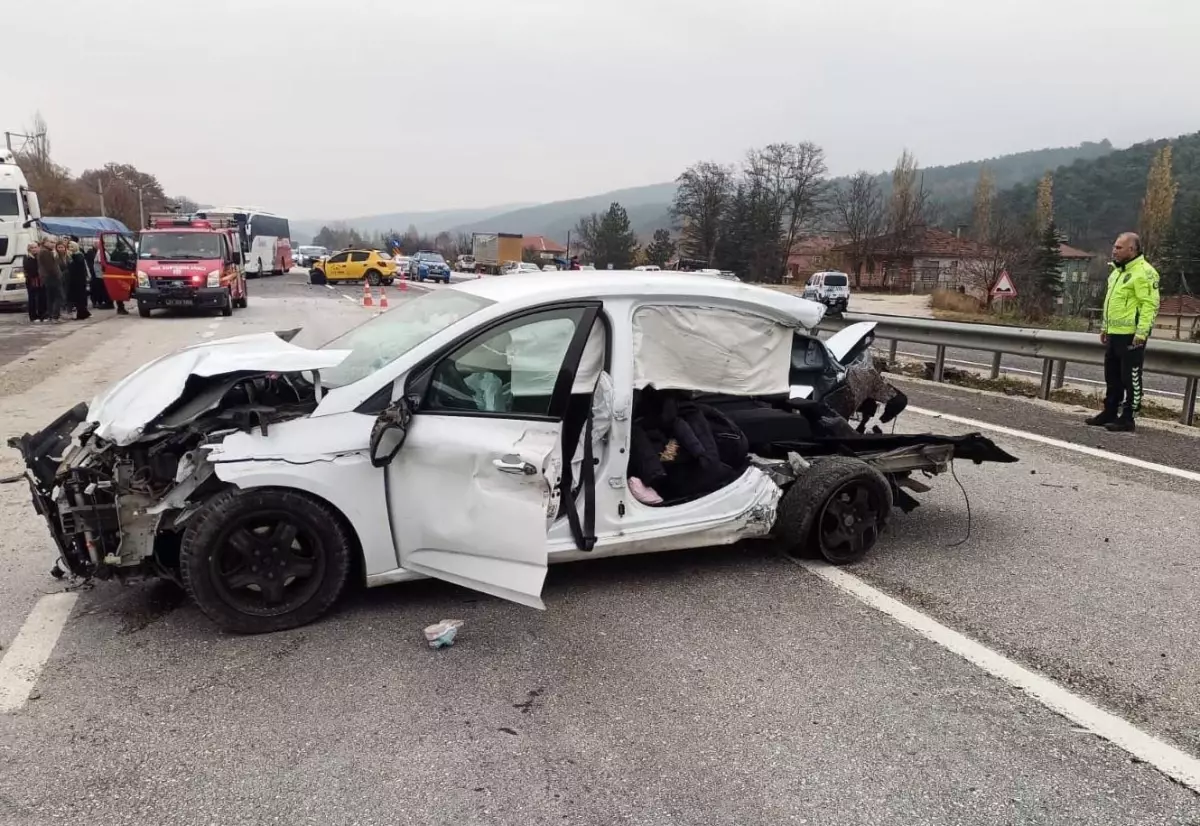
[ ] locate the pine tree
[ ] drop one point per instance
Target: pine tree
(1155, 218)
(661, 249)
(615, 242)
(1047, 268)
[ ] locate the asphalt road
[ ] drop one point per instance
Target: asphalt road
(724, 686)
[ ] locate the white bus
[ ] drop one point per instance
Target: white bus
(266, 238)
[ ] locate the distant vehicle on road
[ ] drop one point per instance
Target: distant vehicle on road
(18, 209)
(306, 256)
(829, 288)
(373, 266)
(465, 263)
(266, 238)
(549, 268)
(186, 262)
(436, 268)
(648, 268)
(492, 250)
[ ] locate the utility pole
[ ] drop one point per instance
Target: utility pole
(141, 210)
(100, 192)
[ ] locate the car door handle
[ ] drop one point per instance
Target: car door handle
(513, 464)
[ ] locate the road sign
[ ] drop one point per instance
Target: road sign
(1004, 287)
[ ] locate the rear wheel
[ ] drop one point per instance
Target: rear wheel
(264, 559)
(373, 277)
(837, 508)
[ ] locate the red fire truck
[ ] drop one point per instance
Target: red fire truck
(183, 261)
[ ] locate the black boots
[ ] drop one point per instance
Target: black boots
(1101, 419)
(1121, 425)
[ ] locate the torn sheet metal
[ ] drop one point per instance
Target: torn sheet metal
(123, 411)
(711, 350)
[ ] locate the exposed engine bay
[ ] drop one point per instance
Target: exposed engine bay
(121, 508)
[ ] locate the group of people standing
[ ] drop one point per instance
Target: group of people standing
(58, 277)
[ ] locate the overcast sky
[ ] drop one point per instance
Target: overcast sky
(341, 108)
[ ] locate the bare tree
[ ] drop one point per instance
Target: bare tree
(790, 178)
(908, 207)
(701, 198)
(58, 192)
(587, 235)
(858, 210)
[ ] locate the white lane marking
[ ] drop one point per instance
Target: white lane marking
(23, 662)
(1176, 764)
(1031, 372)
(212, 330)
(1046, 440)
(328, 286)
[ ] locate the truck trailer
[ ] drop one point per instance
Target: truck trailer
(492, 249)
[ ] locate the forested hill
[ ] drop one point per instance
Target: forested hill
(953, 184)
(1096, 199)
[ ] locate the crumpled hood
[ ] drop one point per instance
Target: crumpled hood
(123, 411)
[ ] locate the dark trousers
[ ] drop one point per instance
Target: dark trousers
(37, 303)
(78, 296)
(1123, 376)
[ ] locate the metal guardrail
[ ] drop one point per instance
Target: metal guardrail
(1054, 347)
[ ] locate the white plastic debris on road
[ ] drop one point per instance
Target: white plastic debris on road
(442, 633)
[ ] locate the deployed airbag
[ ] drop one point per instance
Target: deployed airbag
(710, 350)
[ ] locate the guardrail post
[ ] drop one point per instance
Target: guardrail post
(1189, 401)
(939, 362)
(892, 351)
(1060, 374)
(996, 364)
(1047, 378)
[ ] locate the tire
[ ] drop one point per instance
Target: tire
(241, 303)
(838, 508)
(373, 278)
(387, 282)
(227, 310)
(259, 522)
(143, 310)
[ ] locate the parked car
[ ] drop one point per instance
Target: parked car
(436, 268)
(258, 474)
(829, 288)
(465, 263)
(647, 268)
(549, 268)
(373, 266)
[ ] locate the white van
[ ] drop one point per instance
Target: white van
(829, 288)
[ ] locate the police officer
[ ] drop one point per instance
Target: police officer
(1130, 306)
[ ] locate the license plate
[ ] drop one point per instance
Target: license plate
(179, 302)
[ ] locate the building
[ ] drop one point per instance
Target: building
(928, 259)
(1178, 317)
(1080, 290)
(812, 255)
(543, 248)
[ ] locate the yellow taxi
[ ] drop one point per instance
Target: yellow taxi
(355, 265)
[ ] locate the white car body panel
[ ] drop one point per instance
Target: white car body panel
(124, 409)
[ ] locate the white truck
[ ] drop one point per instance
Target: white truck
(19, 209)
(492, 250)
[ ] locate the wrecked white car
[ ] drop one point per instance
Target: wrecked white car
(475, 434)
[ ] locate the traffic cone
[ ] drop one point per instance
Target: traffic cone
(383, 305)
(403, 285)
(368, 301)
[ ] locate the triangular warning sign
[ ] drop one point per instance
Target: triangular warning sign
(1004, 287)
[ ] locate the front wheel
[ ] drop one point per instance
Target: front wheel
(264, 559)
(838, 508)
(227, 310)
(143, 310)
(241, 303)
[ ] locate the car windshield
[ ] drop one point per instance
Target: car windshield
(431, 257)
(835, 281)
(313, 251)
(168, 246)
(390, 335)
(8, 203)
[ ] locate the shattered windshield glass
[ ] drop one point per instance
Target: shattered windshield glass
(386, 337)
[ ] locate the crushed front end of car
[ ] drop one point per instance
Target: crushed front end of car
(118, 480)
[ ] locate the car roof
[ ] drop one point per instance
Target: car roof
(536, 288)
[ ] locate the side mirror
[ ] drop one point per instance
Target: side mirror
(389, 432)
(34, 205)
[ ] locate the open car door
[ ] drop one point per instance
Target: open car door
(116, 260)
(475, 485)
(811, 370)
